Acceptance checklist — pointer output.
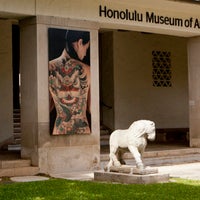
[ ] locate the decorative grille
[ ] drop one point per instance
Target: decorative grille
(161, 73)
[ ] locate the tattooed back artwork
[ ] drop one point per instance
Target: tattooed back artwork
(69, 86)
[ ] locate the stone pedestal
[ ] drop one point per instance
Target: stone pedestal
(128, 169)
(131, 175)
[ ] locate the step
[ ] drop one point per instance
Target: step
(162, 157)
(104, 143)
(17, 130)
(17, 141)
(19, 171)
(169, 160)
(14, 147)
(159, 153)
(17, 135)
(17, 124)
(7, 164)
(104, 132)
(17, 167)
(16, 110)
(104, 139)
(16, 120)
(16, 115)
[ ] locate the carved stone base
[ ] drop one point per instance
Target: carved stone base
(128, 169)
(131, 178)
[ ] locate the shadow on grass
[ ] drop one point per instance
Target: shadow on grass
(58, 189)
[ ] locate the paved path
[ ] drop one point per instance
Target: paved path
(188, 171)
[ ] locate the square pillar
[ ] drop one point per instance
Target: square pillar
(63, 153)
(194, 90)
(29, 90)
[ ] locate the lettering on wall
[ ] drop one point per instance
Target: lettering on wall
(148, 17)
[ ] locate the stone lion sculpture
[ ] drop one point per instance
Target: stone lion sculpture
(134, 138)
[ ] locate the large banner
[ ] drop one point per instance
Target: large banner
(69, 81)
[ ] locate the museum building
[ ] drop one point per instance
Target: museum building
(144, 64)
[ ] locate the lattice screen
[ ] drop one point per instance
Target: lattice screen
(161, 74)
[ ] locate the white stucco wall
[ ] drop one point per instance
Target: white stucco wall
(134, 95)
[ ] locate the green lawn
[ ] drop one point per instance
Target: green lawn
(58, 189)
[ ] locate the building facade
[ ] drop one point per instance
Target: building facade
(143, 61)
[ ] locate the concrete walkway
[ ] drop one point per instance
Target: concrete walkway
(28, 178)
(186, 171)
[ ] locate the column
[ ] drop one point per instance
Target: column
(29, 88)
(194, 90)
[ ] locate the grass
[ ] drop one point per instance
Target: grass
(59, 189)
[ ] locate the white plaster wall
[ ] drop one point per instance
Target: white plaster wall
(134, 96)
(6, 94)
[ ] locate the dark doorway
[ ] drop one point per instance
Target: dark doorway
(15, 65)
